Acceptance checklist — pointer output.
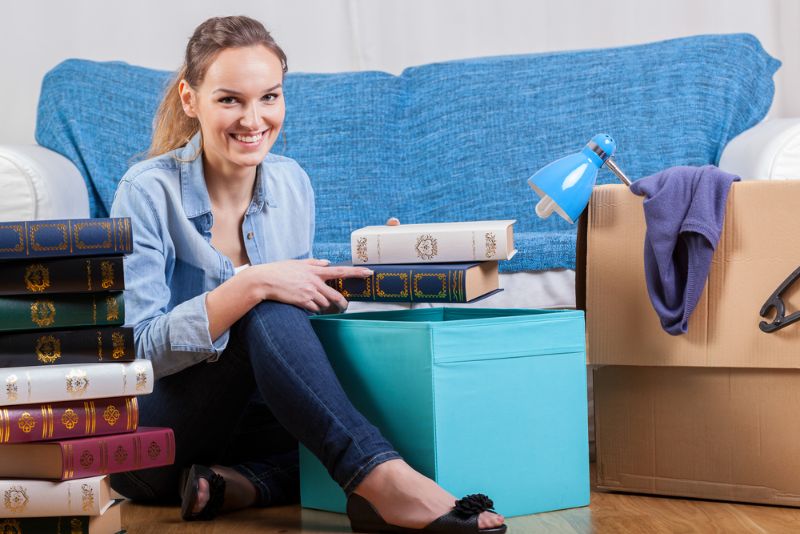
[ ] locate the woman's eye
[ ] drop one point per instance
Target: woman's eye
(227, 100)
(269, 97)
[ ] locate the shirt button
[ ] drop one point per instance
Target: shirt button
(249, 235)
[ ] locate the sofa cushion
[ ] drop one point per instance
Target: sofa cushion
(448, 141)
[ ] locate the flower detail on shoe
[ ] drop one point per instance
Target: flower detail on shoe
(474, 504)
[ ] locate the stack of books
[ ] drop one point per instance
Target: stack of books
(437, 262)
(68, 377)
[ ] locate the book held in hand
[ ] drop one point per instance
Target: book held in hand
(433, 243)
(65, 237)
(444, 282)
(85, 457)
(61, 275)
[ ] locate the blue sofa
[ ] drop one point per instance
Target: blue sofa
(447, 141)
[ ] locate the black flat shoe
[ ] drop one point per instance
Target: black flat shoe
(462, 519)
(191, 486)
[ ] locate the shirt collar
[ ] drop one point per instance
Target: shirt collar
(194, 193)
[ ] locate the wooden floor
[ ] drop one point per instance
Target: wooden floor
(608, 513)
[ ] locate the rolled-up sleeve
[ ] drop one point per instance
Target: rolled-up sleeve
(173, 339)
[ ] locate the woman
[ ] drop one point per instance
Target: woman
(220, 285)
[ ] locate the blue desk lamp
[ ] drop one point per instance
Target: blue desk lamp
(565, 185)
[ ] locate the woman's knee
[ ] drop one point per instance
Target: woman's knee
(276, 315)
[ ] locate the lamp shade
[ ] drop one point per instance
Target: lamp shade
(565, 185)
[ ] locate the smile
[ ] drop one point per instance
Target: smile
(249, 139)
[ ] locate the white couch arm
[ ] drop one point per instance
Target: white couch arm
(768, 151)
(37, 183)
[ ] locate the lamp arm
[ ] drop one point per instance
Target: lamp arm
(616, 170)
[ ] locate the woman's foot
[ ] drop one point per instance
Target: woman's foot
(239, 492)
(406, 498)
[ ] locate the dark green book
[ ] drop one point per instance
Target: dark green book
(429, 282)
(74, 347)
(61, 311)
(61, 275)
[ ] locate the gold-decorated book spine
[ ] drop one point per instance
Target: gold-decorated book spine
(57, 383)
(40, 498)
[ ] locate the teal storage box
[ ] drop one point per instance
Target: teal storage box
(480, 400)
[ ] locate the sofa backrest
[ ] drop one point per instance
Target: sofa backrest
(447, 141)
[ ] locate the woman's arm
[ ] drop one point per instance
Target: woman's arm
(297, 282)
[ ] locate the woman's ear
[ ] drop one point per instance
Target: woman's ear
(188, 98)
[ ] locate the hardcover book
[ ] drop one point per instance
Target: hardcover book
(69, 419)
(110, 522)
(65, 237)
(31, 312)
(434, 242)
(56, 383)
(61, 275)
(444, 282)
(41, 498)
(85, 457)
(67, 347)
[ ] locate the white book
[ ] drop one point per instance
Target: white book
(434, 242)
(41, 498)
(27, 385)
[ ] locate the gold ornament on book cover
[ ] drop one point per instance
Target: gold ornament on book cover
(10, 526)
(37, 277)
(141, 378)
(87, 498)
(69, 419)
(491, 245)
(107, 274)
(80, 244)
(11, 388)
(361, 249)
(87, 459)
(43, 313)
(427, 247)
(16, 499)
(118, 344)
(153, 451)
(111, 415)
(37, 247)
(26, 422)
(76, 382)
(112, 309)
(120, 454)
(48, 349)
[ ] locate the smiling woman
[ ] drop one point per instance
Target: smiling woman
(241, 375)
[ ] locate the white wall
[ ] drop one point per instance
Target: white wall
(337, 35)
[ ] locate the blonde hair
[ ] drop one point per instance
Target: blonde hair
(172, 128)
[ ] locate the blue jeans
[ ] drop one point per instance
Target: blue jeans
(272, 387)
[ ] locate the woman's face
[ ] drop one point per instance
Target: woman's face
(240, 108)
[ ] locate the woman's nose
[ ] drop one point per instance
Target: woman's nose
(250, 118)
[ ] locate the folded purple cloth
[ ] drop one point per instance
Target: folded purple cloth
(684, 210)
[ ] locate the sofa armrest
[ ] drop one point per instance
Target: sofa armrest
(768, 151)
(38, 183)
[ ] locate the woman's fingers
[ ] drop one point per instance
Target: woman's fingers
(316, 262)
(332, 273)
(334, 297)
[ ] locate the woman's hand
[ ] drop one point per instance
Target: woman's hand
(302, 283)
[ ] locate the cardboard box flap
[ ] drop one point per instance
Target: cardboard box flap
(759, 248)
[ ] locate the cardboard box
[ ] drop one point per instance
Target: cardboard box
(759, 248)
(713, 433)
(709, 413)
(478, 399)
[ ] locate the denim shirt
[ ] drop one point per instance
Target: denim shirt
(173, 265)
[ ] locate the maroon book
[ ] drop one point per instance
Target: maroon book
(86, 457)
(68, 419)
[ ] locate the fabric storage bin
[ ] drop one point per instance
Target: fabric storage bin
(480, 400)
